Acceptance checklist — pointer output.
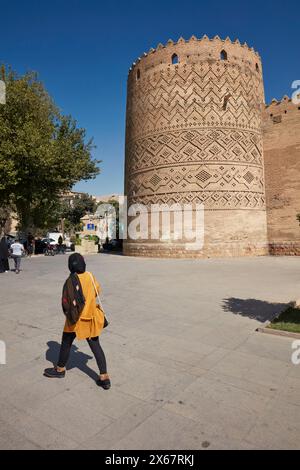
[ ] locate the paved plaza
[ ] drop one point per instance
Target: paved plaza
(188, 369)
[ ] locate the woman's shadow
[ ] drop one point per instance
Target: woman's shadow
(77, 359)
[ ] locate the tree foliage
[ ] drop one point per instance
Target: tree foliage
(81, 205)
(42, 153)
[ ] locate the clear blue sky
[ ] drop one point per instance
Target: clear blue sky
(83, 49)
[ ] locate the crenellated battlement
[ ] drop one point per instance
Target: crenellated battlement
(285, 101)
(280, 111)
(237, 50)
(274, 102)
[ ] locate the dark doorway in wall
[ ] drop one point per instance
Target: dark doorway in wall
(223, 55)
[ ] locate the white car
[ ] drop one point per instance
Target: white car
(49, 241)
(69, 245)
(55, 236)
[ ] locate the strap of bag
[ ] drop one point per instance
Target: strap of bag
(97, 293)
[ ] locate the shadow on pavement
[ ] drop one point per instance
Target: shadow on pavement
(77, 359)
(259, 310)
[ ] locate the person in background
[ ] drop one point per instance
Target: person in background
(84, 319)
(4, 254)
(17, 250)
(60, 243)
(30, 243)
(2, 269)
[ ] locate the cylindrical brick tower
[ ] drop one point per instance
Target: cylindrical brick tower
(194, 135)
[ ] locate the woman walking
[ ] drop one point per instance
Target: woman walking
(4, 254)
(84, 319)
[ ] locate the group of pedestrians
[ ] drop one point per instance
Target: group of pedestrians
(85, 318)
(16, 250)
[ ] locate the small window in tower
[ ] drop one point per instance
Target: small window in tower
(175, 59)
(277, 119)
(257, 67)
(223, 55)
(138, 74)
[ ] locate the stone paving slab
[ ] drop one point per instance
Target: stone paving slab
(188, 368)
(175, 432)
(11, 439)
(36, 431)
(278, 428)
(76, 419)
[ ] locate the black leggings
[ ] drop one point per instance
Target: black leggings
(66, 344)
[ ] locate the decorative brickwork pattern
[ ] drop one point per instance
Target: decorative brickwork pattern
(170, 164)
(193, 129)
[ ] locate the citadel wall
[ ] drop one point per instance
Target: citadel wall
(194, 135)
(281, 135)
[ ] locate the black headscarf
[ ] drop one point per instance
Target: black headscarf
(3, 248)
(73, 300)
(76, 263)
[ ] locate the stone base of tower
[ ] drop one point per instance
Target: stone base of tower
(210, 251)
(230, 233)
(284, 248)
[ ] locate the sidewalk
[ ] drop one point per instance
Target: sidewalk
(188, 369)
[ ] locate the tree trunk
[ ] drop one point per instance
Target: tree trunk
(5, 220)
(24, 213)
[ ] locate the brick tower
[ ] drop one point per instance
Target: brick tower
(194, 135)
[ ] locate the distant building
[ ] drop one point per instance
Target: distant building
(69, 196)
(103, 222)
(107, 197)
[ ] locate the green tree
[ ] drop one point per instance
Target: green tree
(42, 153)
(81, 205)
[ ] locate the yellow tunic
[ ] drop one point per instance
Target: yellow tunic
(91, 321)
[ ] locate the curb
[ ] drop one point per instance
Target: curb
(271, 331)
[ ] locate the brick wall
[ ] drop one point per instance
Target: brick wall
(194, 135)
(281, 130)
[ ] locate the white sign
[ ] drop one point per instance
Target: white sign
(2, 352)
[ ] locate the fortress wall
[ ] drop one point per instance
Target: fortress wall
(193, 135)
(281, 128)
